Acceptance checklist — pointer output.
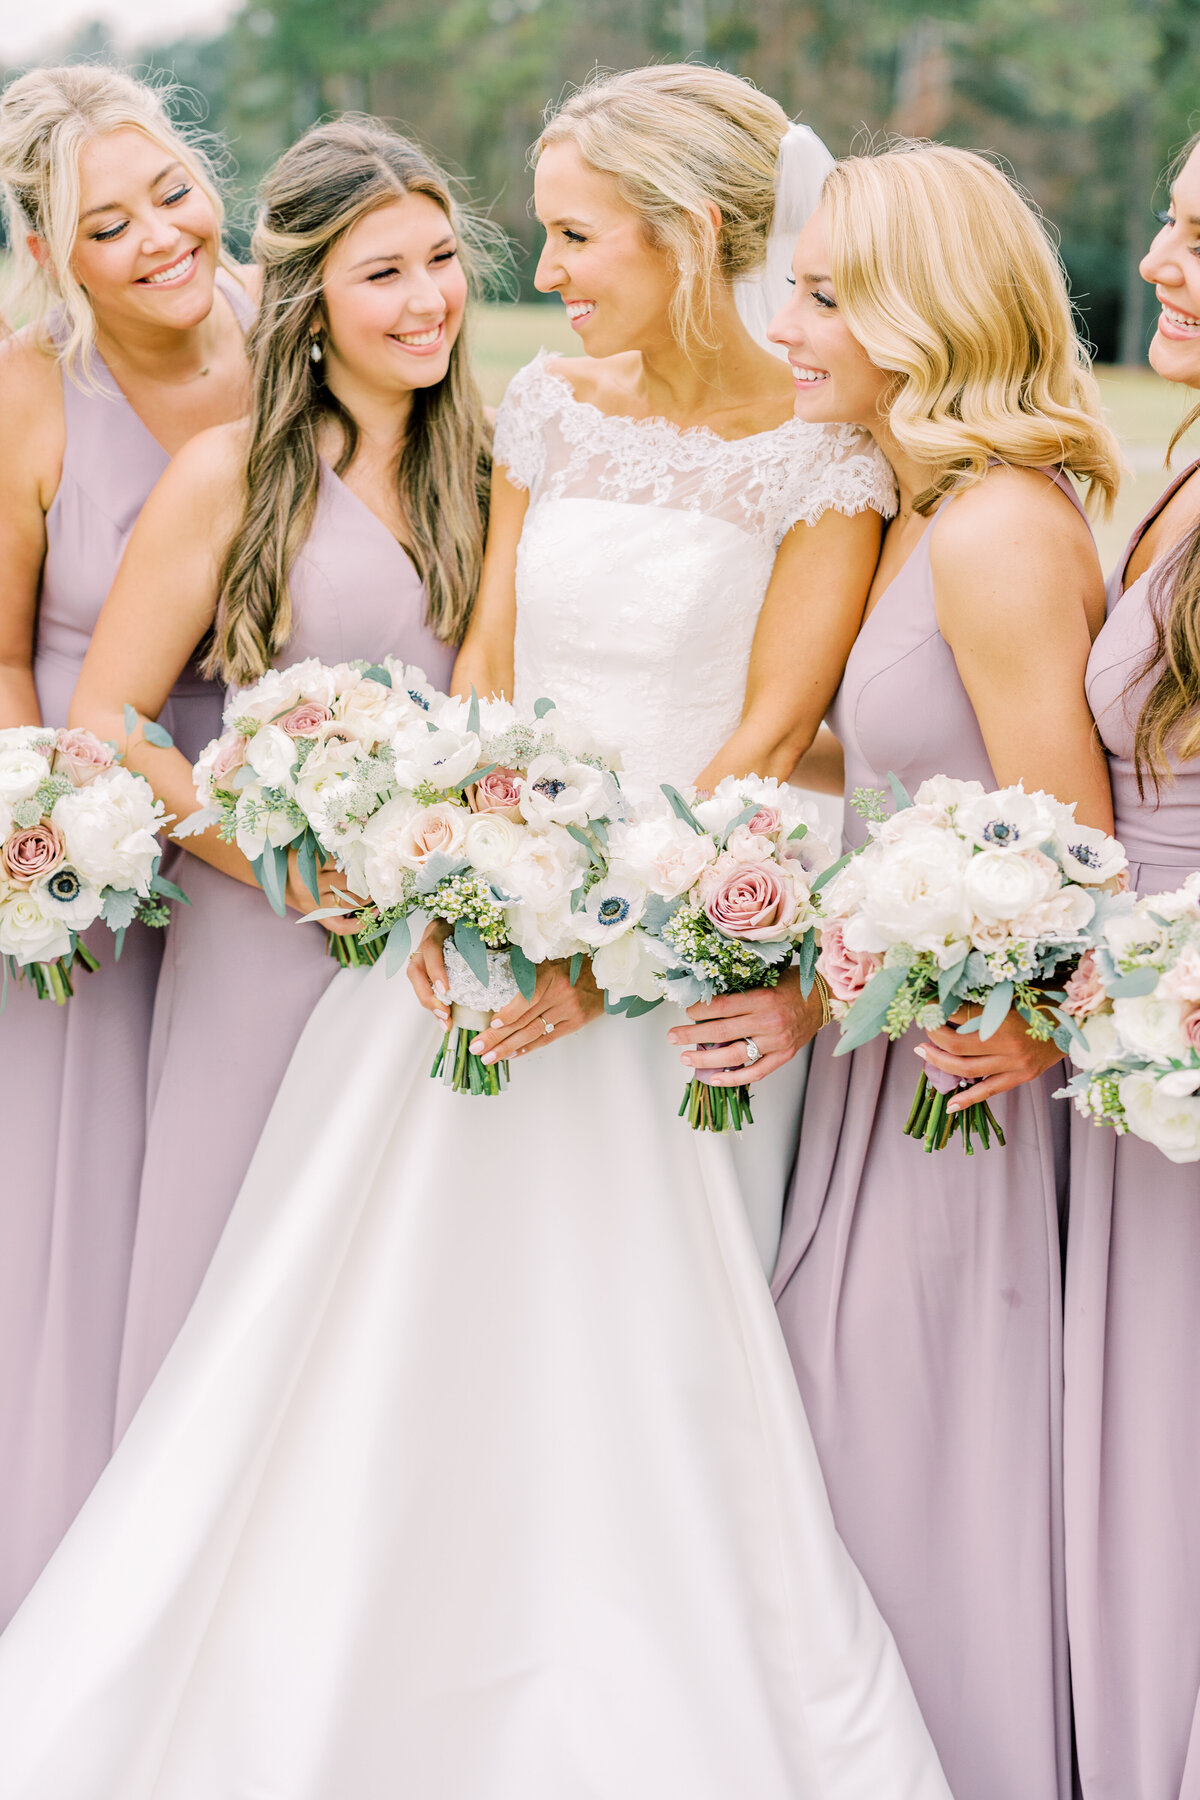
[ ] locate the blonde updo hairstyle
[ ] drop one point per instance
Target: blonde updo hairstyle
(678, 140)
(946, 277)
(46, 119)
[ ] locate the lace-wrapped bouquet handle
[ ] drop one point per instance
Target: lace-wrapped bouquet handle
(708, 896)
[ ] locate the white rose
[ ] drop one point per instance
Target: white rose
(664, 853)
(378, 865)
(546, 869)
(1003, 884)
(912, 893)
(558, 792)
(1011, 818)
(612, 908)
(1171, 1122)
(271, 753)
(491, 841)
(22, 772)
(109, 830)
(1151, 1027)
(438, 830)
(28, 933)
(1103, 1042)
(630, 964)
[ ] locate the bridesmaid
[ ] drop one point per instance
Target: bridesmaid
(344, 519)
(134, 344)
(921, 1295)
(1132, 1351)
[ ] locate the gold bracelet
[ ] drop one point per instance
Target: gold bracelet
(822, 988)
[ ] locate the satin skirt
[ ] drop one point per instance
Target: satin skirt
(478, 1470)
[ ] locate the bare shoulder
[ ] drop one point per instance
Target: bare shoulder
(249, 277)
(204, 480)
(609, 382)
(31, 379)
(1011, 515)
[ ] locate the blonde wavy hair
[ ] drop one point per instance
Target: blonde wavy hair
(46, 119)
(330, 179)
(947, 277)
(678, 140)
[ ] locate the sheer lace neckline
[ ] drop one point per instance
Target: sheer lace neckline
(704, 432)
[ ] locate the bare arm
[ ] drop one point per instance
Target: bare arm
(822, 768)
(809, 621)
(31, 451)
(162, 602)
(485, 661)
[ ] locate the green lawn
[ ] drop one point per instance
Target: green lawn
(1144, 410)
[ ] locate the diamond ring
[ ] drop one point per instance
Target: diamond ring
(547, 1027)
(752, 1051)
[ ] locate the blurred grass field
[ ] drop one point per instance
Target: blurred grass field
(1143, 409)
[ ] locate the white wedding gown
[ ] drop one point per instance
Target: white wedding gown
(479, 1471)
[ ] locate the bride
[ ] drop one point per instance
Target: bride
(478, 1471)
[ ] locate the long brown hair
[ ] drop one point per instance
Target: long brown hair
(1168, 726)
(331, 178)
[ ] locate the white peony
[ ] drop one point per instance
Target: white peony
(941, 792)
(1171, 1122)
(22, 772)
(28, 933)
(546, 869)
(279, 690)
(109, 830)
(1182, 980)
(1060, 919)
(664, 853)
(1151, 1027)
(544, 936)
(1002, 884)
(557, 791)
(491, 842)
(630, 964)
(377, 861)
(271, 753)
(911, 893)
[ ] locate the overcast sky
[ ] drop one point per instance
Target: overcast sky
(28, 26)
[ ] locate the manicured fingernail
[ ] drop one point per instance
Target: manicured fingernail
(443, 1016)
(490, 1057)
(496, 1023)
(672, 1037)
(954, 1107)
(919, 1050)
(441, 990)
(475, 1046)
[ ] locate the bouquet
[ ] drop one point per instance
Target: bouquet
(78, 842)
(1135, 1003)
(288, 737)
(492, 822)
(962, 897)
(705, 897)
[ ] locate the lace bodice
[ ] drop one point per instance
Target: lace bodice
(645, 557)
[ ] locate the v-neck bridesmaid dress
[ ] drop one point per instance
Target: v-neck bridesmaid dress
(238, 983)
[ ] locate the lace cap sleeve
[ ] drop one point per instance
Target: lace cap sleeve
(530, 401)
(845, 470)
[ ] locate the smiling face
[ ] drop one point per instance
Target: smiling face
(147, 243)
(1172, 267)
(394, 294)
(616, 285)
(836, 381)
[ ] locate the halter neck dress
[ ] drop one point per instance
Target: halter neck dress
(920, 1297)
(1132, 1324)
(73, 1078)
(238, 983)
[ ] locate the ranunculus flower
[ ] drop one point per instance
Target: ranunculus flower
(754, 901)
(82, 756)
(1000, 885)
(304, 720)
(497, 792)
(28, 854)
(1084, 992)
(22, 772)
(1169, 1121)
(491, 842)
(26, 932)
(847, 972)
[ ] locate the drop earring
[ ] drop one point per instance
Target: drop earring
(315, 350)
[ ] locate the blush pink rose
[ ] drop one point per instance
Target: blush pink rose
(766, 819)
(748, 900)
(82, 757)
(1084, 992)
(1191, 1028)
(846, 972)
(304, 720)
(36, 851)
(498, 792)
(436, 830)
(231, 754)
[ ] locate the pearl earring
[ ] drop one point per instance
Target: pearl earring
(315, 350)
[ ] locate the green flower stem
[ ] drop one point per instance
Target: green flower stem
(52, 980)
(346, 950)
(462, 1071)
(710, 1108)
(933, 1124)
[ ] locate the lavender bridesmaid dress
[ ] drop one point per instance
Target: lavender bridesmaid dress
(1132, 1346)
(920, 1297)
(237, 982)
(73, 1078)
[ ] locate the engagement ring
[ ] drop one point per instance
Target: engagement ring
(547, 1026)
(752, 1051)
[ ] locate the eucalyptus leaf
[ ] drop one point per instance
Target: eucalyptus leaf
(948, 981)
(827, 875)
(274, 873)
(473, 713)
(399, 943)
(801, 831)
(131, 719)
(306, 859)
(899, 792)
(576, 966)
(1134, 985)
(157, 735)
(807, 960)
(376, 673)
(473, 950)
(865, 1018)
(160, 885)
(682, 809)
(467, 781)
(524, 972)
(542, 707)
(743, 818)
(995, 1011)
